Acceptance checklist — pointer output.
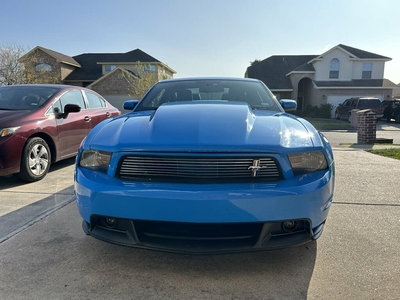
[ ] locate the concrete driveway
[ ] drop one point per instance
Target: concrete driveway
(46, 255)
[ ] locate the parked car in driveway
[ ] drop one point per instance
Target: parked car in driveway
(205, 165)
(343, 110)
(391, 110)
(42, 124)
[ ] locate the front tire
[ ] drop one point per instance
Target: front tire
(397, 118)
(35, 160)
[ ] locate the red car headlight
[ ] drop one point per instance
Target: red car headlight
(9, 131)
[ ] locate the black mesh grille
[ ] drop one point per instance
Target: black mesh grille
(198, 169)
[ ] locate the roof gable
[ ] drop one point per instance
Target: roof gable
(127, 74)
(354, 53)
(59, 57)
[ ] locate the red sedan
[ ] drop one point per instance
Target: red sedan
(41, 124)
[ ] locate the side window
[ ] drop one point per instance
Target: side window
(94, 100)
(57, 107)
(346, 103)
(73, 97)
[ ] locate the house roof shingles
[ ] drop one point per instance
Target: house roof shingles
(273, 70)
(371, 83)
(361, 53)
(131, 56)
(57, 55)
(91, 68)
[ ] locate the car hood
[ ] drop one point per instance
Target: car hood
(203, 126)
(7, 116)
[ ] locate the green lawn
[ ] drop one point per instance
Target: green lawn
(392, 153)
(329, 124)
(332, 124)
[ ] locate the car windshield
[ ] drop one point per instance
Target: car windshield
(369, 103)
(24, 97)
(252, 92)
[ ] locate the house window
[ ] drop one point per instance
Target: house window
(334, 69)
(109, 68)
(43, 68)
(150, 68)
(367, 71)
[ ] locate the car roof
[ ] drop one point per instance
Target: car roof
(58, 86)
(211, 78)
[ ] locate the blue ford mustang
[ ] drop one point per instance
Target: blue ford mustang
(205, 165)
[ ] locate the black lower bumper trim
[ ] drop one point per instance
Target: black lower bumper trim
(202, 238)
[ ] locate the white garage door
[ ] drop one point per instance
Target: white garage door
(335, 101)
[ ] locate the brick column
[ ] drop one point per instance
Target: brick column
(366, 126)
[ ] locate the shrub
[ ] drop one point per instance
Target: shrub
(321, 111)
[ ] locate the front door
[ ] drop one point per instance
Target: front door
(72, 129)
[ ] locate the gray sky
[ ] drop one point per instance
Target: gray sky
(205, 37)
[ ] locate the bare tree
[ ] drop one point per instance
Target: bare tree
(11, 69)
(141, 79)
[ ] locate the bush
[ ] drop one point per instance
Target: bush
(321, 111)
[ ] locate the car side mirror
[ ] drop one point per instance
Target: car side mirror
(288, 104)
(69, 108)
(130, 104)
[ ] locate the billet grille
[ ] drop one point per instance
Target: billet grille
(197, 169)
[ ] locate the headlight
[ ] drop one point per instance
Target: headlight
(95, 160)
(307, 162)
(9, 131)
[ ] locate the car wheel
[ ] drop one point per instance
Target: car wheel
(35, 160)
(349, 117)
(397, 118)
(337, 115)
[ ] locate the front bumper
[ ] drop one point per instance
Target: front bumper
(193, 238)
(186, 217)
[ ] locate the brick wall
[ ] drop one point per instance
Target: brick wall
(40, 57)
(366, 126)
(116, 83)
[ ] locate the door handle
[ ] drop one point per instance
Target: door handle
(108, 114)
(87, 118)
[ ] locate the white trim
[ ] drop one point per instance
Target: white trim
(300, 72)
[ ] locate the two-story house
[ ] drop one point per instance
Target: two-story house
(116, 76)
(332, 77)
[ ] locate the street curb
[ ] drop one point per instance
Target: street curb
(16, 221)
